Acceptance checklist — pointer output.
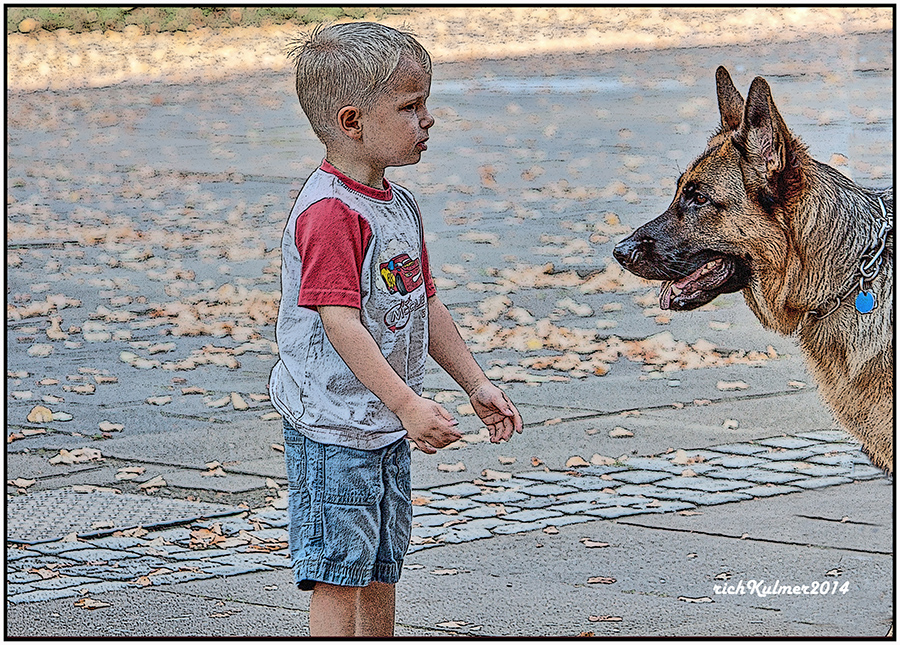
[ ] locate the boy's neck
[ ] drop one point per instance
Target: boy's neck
(357, 170)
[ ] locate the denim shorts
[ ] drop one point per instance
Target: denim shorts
(350, 511)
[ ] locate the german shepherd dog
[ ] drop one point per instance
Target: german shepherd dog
(811, 251)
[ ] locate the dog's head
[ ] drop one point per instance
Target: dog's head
(727, 216)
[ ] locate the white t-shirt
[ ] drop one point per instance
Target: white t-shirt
(348, 244)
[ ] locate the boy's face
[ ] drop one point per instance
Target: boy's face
(395, 128)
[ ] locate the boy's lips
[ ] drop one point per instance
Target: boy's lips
(421, 145)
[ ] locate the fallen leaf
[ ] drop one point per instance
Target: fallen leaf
(156, 482)
(453, 624)
(130, 472)
(78, 456)
(495, 475)
(506, 461)
(136, 532)
(601, 580)
(551, 530)
(730, 386)
(219, 403)
(87, 488)
(452, 468)
(106, 426)
(91, 603)
(465, 409)
(605, 619)
(619, 432)
(576, 462)
(703, 599)
(447, 572)
(600, 460)
(553, 422)
(238, 402)
(593, 544)
(834, 573)
(536, 462)
(159, 400)
(21, 482)
(687, 472)
(40, 350)
(193, 390)
(40, 414)
(688, 513)
(725, 575)
(45, 573)
(277, 447)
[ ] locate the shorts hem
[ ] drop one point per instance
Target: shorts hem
(306, 574)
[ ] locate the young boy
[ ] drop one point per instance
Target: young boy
(358, 315)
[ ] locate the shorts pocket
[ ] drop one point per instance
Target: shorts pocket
(294, 457)
(352, 477)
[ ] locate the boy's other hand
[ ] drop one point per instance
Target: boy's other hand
(498, 413)
(428, 424)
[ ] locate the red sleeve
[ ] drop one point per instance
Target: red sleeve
(426, 273)
(331, 239)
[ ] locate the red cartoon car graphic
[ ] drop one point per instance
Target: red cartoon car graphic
(402, 274)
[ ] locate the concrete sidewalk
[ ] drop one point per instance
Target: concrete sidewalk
(142, 274)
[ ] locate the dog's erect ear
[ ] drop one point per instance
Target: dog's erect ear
(731, 103)
(762, 133)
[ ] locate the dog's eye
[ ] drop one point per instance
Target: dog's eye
(700, 198)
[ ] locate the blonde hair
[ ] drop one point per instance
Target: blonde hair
(348, 64)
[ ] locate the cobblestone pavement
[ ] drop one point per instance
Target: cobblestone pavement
(449, 514)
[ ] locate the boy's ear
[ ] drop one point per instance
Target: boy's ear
(349, 121)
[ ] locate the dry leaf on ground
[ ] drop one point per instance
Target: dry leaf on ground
(156, 482)
(452, 468)
(731, 386)
(91, 603)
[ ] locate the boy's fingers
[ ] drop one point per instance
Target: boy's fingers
(424, 447)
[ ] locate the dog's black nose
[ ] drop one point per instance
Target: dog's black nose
(626, 251)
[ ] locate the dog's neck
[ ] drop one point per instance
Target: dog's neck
(841, 236)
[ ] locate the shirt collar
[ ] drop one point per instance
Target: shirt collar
(384, 194)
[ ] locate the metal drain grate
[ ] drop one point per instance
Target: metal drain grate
(47, 516)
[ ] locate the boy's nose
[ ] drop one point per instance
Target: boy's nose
(427, 120)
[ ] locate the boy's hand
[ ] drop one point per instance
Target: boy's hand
(428, 424)
(498, 413)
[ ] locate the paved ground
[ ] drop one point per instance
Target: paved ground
(667, 459)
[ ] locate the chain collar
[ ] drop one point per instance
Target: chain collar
(869, 265)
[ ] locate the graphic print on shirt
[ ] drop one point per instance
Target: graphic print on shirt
(402, 274)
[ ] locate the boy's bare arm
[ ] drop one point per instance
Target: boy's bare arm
(449, 350)
(428, 424)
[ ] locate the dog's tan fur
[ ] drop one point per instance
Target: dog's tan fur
(795, 230)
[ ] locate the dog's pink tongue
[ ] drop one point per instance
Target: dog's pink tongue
(681, 284)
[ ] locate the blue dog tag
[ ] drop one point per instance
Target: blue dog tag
(865, 302)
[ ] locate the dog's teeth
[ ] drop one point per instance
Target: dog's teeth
(674, 290)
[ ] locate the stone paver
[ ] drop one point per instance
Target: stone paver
(531, 501)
